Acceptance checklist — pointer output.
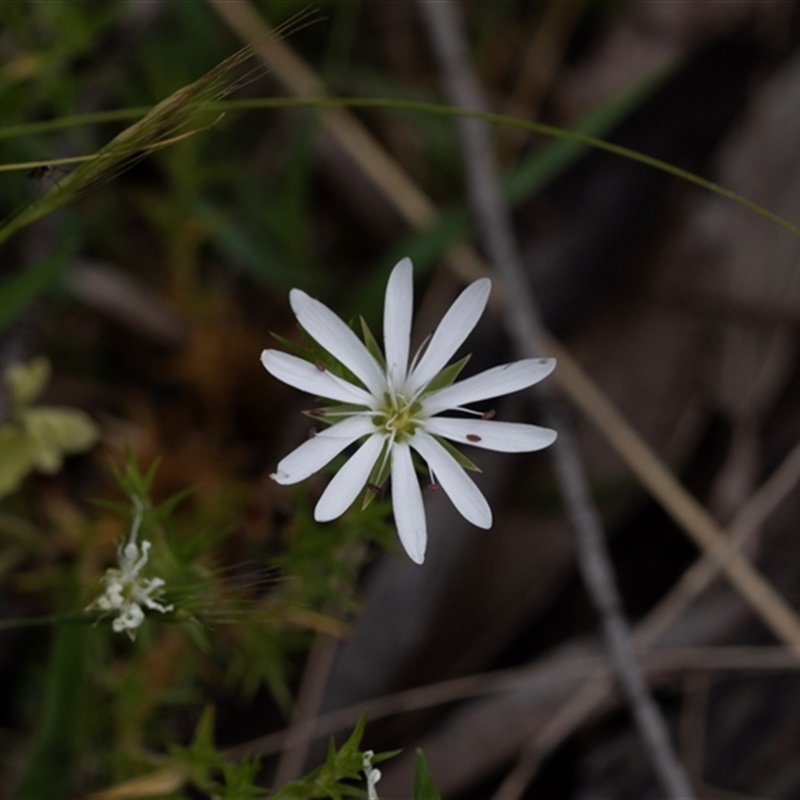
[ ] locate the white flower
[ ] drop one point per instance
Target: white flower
(371, 774)
(127, 591)
(395, 408)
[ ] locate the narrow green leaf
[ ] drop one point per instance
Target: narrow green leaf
(51, 763)
(424, 787)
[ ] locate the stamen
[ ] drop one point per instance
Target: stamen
(419, 353)
(312, 432)
(373, 487)
(488, 414)
(320, 366)
(473, 437)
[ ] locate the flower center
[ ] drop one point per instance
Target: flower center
(398, 417)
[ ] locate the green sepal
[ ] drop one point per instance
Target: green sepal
(424, 787)
(314, 353)
(330, 415)
(462, 460)
(379, 475)
(295, 348)
(448, 375)
(372, 344)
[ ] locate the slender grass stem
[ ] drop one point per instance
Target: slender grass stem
(394, 105)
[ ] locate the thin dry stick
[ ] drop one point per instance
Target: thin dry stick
(309, 699)
(743, 527)
(524, 325)
(585, 702)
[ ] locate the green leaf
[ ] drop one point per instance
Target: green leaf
(326, 781)
(41, 436)
(15, 457)
(240, 779)
(56, 432)
(26, 382)
(424, 787)
(164, 511)
(54, 754)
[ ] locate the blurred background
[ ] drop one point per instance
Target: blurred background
(157, 289)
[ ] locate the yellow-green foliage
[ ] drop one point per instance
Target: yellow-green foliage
(38, 437)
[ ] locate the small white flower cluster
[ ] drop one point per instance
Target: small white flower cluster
(126, 590)
(372, 775)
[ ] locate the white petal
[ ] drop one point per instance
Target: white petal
(397, 312)
(454, 328)
(505, 437)
(329, 331)
(465, 495)
(493, 382)
(409, 512)
(349, 481)
(308, 378)
(315, 453)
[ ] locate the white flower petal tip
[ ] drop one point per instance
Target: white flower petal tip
(389, 411)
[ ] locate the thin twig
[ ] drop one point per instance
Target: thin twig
(743, 527)
(539, 677)
(309, 699)
(525, 327)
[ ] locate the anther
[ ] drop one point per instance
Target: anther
(312, 432)
(373, 487)
(473, 437)
(320, 366)
(434, 487)
(315, 412)
(488, 414)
